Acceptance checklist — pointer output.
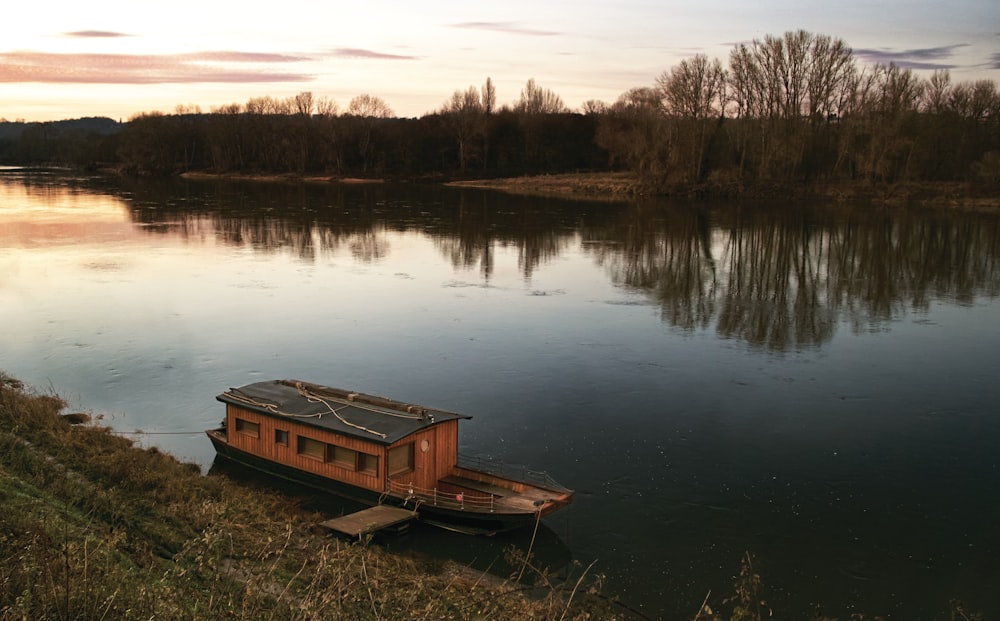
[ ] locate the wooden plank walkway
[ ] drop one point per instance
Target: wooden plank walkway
(369, 520)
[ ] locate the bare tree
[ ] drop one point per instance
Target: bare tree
(233, 108)
(798, 74)
(369, 106)
(899, 91)
(635, 132)
(369, 109)
(831, 68)
(304, 103)
(268, 105)
(886, 102)
(181, 109)
(465, 114)
(937, 92)
(695, 88)
(326, 107)
(594, 106)
(975, 101)
(694, 93)
(537, 100)
(489, 97)
(779, 81)
(489, 101)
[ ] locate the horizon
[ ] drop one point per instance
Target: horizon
(81, 61)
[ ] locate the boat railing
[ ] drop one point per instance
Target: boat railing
(514, 472)
(460, 501)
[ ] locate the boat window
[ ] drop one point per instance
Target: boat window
(247, 428)
(367, 463)
(314, 449)
(400, 459)
(343, 457)
(281, 437)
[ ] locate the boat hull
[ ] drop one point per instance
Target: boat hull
(469, 521)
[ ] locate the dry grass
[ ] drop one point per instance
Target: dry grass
(281, 178)
(591, 186)
(626, 186)
(93, 527)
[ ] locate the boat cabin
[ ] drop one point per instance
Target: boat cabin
(360, 440)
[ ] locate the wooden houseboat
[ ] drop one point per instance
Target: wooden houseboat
(376, 450)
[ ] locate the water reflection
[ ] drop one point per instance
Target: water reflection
(774, 277)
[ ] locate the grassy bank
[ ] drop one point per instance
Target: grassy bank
(94, 527)
(282, 178)
(591, 186)
(625, 186)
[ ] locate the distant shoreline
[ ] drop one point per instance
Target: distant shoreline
(624, 186)
(271, 178)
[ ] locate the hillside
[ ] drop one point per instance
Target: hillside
(102, 126)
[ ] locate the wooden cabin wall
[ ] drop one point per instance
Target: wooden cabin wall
(447, 447)
(437, 461)
(266, 447)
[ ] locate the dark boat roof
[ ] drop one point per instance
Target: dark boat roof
(348, 413)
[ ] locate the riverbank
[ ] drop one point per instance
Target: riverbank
(283, 178)
(591, 186)
(96, 527)
(627, 186)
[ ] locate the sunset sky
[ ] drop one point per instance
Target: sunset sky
(63, 59)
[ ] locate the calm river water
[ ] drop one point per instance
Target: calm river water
(817, 387)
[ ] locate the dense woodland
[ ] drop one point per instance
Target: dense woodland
(792, 108)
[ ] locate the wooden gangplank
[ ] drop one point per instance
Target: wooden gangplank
(370, 520)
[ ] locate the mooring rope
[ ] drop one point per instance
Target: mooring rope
(140, 432)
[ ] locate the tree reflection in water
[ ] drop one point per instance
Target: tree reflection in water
(782, 277)
(776, 276)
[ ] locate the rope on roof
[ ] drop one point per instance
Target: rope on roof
(273, 408)
(357, 400)
(314, 398)
(239, 395)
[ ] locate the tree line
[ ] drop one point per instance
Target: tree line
(799, 107)
(309, 135)
(792, 108)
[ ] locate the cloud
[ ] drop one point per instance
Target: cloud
(353, 52)
(203, 67)
(995, 60)
(95, 34)
(921, 58)
(243, 57)
(505, 27)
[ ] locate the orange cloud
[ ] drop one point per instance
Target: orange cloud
(44, 67)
